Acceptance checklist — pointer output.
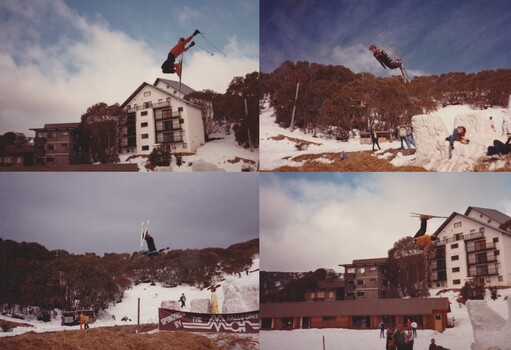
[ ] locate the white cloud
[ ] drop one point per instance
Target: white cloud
(58, 64)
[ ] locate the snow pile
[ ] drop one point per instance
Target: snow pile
(491, 331)
(432, 129)
(221, 154)
(239, 298)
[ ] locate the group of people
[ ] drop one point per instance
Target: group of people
(78, 319)
(401, 339)
(405, 133)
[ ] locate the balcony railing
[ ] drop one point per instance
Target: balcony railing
(480, 247)
(484, 272)
(474, 260)
(475, 235)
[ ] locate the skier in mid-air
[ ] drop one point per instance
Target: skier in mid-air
(383, 57)
(169, 66)
(421, 238)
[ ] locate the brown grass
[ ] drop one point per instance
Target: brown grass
(125, 337)
(238, 159)
(356, 161)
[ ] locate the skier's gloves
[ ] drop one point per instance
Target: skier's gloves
(191, 44)
(196, 32)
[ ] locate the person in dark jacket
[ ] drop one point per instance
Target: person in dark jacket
(383, 57)
(374, 138)
(433, 346)
(499, 148)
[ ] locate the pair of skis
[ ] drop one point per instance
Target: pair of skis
(418, 215)
(404, 73)
(145, 227)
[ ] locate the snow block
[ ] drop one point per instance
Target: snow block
(202, 306)
(240, 298)
(432, 129)
(491, 331)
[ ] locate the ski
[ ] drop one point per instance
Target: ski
(418, 215)
(145, 226)
(404, 73)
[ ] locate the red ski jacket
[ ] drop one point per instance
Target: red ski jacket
(180, 47)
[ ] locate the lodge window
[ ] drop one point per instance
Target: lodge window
(360, 282)
(329, 318)
(455, 269)
(51, 147)
(145, 148)
(456, 281)
(481, 229)
(457, 224)
(454, 246)
(147, 93)
(455, 257)
(458, 236)
(495, 239)
(144, 125)
(287, 322)
(144, 113)
(145, 136)
(360, 294)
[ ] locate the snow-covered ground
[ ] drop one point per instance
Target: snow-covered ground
(221, 154)
(460, 337)
(278, 145)
(150, 300)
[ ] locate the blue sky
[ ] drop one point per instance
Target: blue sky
(313, 220)
(432, 37)
(59, 57)
(103, 212)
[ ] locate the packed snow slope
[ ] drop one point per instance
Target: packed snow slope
(151, 298)
(278, 146)
(222, 154)
(459, 337)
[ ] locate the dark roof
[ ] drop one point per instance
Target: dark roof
(367, 262)
(185, 89)
(58, 126)
(491, 213)
(375, 307)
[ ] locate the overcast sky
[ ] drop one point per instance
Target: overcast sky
(321, 220)
(103, 212)
(59, 57)
(432, 37)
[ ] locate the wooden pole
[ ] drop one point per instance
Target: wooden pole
(248, 127)
(324, 345)
(138, 315)
(294, 106)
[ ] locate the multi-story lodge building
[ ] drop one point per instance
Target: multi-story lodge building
(476, 244)
(366, 279)
(158, 114)
(56, 144)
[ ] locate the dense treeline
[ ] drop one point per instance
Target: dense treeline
(238, 109)
(334, 100)
(31, 275)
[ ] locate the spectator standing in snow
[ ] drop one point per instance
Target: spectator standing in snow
(457, 135)
(401, 133)
(182, 300)
(374, 138)
(414, 329)
(410, 140)
(82, 320)
(401, 338)
(390, 344)
(408, 324)
(214, 301)
(62, 320)
(492, 124)
(382, 329)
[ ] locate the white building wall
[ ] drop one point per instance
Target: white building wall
(196, 128)
(457, 256)
(146, 135)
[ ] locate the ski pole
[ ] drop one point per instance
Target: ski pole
(210, 43)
